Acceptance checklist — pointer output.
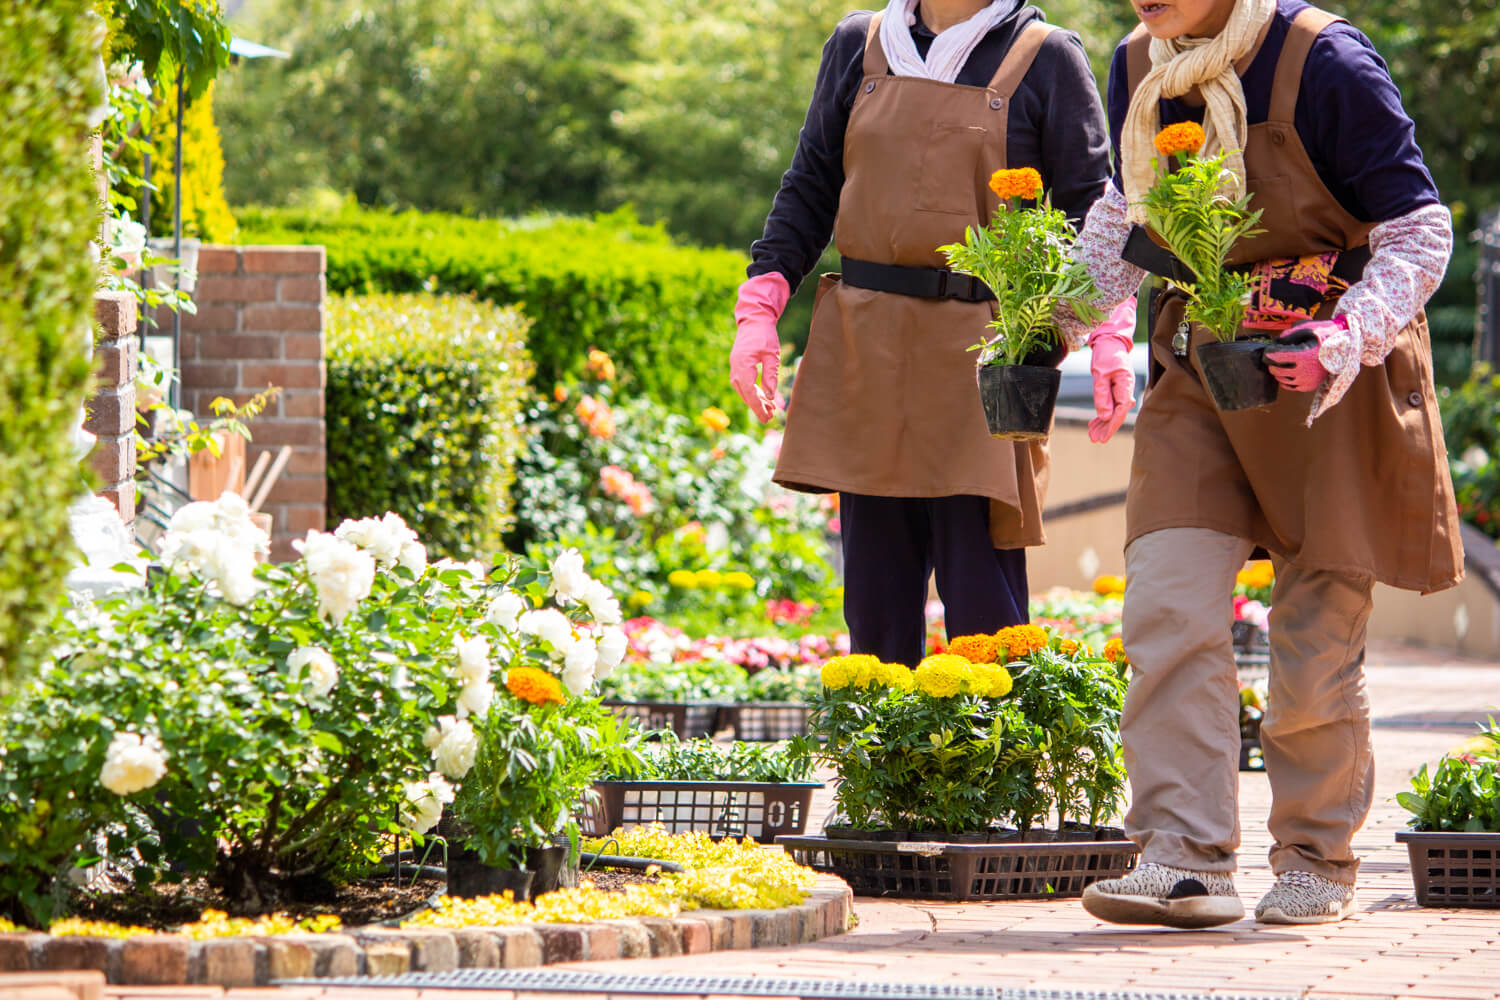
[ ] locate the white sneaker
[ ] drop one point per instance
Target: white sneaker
(1305, 898)
(1173, 897)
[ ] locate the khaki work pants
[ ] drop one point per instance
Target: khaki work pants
(1181, 721)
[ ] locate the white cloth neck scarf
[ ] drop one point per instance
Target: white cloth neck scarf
(950, 49)
(1178, 65)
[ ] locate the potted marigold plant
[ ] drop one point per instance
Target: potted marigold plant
(948, 774)
(1024, 256)
(1189, 212)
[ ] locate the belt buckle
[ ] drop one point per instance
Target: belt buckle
(942, 290)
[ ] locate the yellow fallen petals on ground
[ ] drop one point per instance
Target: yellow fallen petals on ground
(77, 927)
(582, 905)
(211, 924)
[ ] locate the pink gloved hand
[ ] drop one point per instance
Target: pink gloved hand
(1114, 380)
(761, 302)
(1293, 358)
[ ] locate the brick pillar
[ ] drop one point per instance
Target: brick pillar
(111, 411)
(260, 323)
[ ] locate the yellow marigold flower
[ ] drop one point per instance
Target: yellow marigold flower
(1184, 137)
(990, 681)
(1022, 183)
(942, 675)
(714, 419)
(1256, 575)
(896, 676)
(708, 578)
(1114, 651)
(684, 578)
(639, 599)
(1020, 641)
(600, 366)
(1106, 585)
(534, 685)
(975, 648)
(739, 580)
(836, 673)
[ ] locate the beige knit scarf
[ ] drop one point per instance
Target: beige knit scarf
(1177, 66)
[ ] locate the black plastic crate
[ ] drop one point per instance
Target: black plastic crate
(687, 719)
(1454, 869)
(766, 721)
(958, 872)
(760, 810)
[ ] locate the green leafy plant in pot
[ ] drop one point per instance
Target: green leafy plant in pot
(1188, 211)
(1024, 256)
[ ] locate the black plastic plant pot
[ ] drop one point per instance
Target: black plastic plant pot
(469, 877)
(549, 867)
(1018, 400)
(1236, 375)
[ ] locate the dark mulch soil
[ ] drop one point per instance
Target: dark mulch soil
(167, 906)
(368, 901)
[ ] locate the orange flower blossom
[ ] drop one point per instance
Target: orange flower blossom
(534, 685)
(1184, 137)
(1024, 182)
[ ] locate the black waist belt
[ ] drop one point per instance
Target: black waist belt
(922, 282)
(1144, 252)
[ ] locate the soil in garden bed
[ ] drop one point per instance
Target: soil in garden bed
(163, 907)
(367, 901)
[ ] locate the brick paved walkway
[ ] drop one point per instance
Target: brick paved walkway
(1392, 948)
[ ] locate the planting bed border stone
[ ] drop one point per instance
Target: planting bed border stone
(173, 960)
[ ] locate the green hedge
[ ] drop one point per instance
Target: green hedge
(663, 312)
(48, 215)
(423, 409)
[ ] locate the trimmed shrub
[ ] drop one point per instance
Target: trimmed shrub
(663, 312)
(423, 410)
(48, 215)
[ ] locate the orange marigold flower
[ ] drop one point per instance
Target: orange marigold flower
(534, 685)
(1184, 137)
(1022, 183)
(600, 366)
(1114, 651)
(1106, 585)
(1068, 647)
(1022, 640)
(975, 648)
(560, 393)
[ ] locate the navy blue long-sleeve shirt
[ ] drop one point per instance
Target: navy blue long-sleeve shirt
(1055, 124)
(1349, 118)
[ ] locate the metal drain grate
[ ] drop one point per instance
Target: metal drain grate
(558, 981)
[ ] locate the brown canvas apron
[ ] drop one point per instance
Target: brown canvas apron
(1366, 489)
(884, 402)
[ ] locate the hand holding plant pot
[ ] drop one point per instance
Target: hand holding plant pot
(1024, 256)
(1188, 209)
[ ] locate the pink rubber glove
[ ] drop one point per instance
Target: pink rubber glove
(1114, 380)
(1293, 358)
(761, 302)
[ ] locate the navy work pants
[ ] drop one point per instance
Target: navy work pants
(893, 544)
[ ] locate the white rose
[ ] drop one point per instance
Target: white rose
(578, 680)
(132, 764)
(569, 579)
(434, 734)
(602, 604)
(581, 654)
(341, 572)
(473, 658)
(322, 672)
(505, 610)
(235, 576)
(414, 557)
(457, 749)
(194, 516)
(476, 698)
(548, 625)
(425, 801)
(612, 648)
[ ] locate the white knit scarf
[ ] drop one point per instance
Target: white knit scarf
(1177, 66)
(950, 49)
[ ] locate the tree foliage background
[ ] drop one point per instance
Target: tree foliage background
(689, 110)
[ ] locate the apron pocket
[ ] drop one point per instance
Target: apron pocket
(949, 165)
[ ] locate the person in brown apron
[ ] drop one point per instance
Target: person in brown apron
(1343, 481)
(913, 110)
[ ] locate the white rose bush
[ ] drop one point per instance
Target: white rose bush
(268, 726)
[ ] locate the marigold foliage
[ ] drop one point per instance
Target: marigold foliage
(1184, 137)
(534, 685)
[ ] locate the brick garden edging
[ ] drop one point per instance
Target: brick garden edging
(171, 960)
